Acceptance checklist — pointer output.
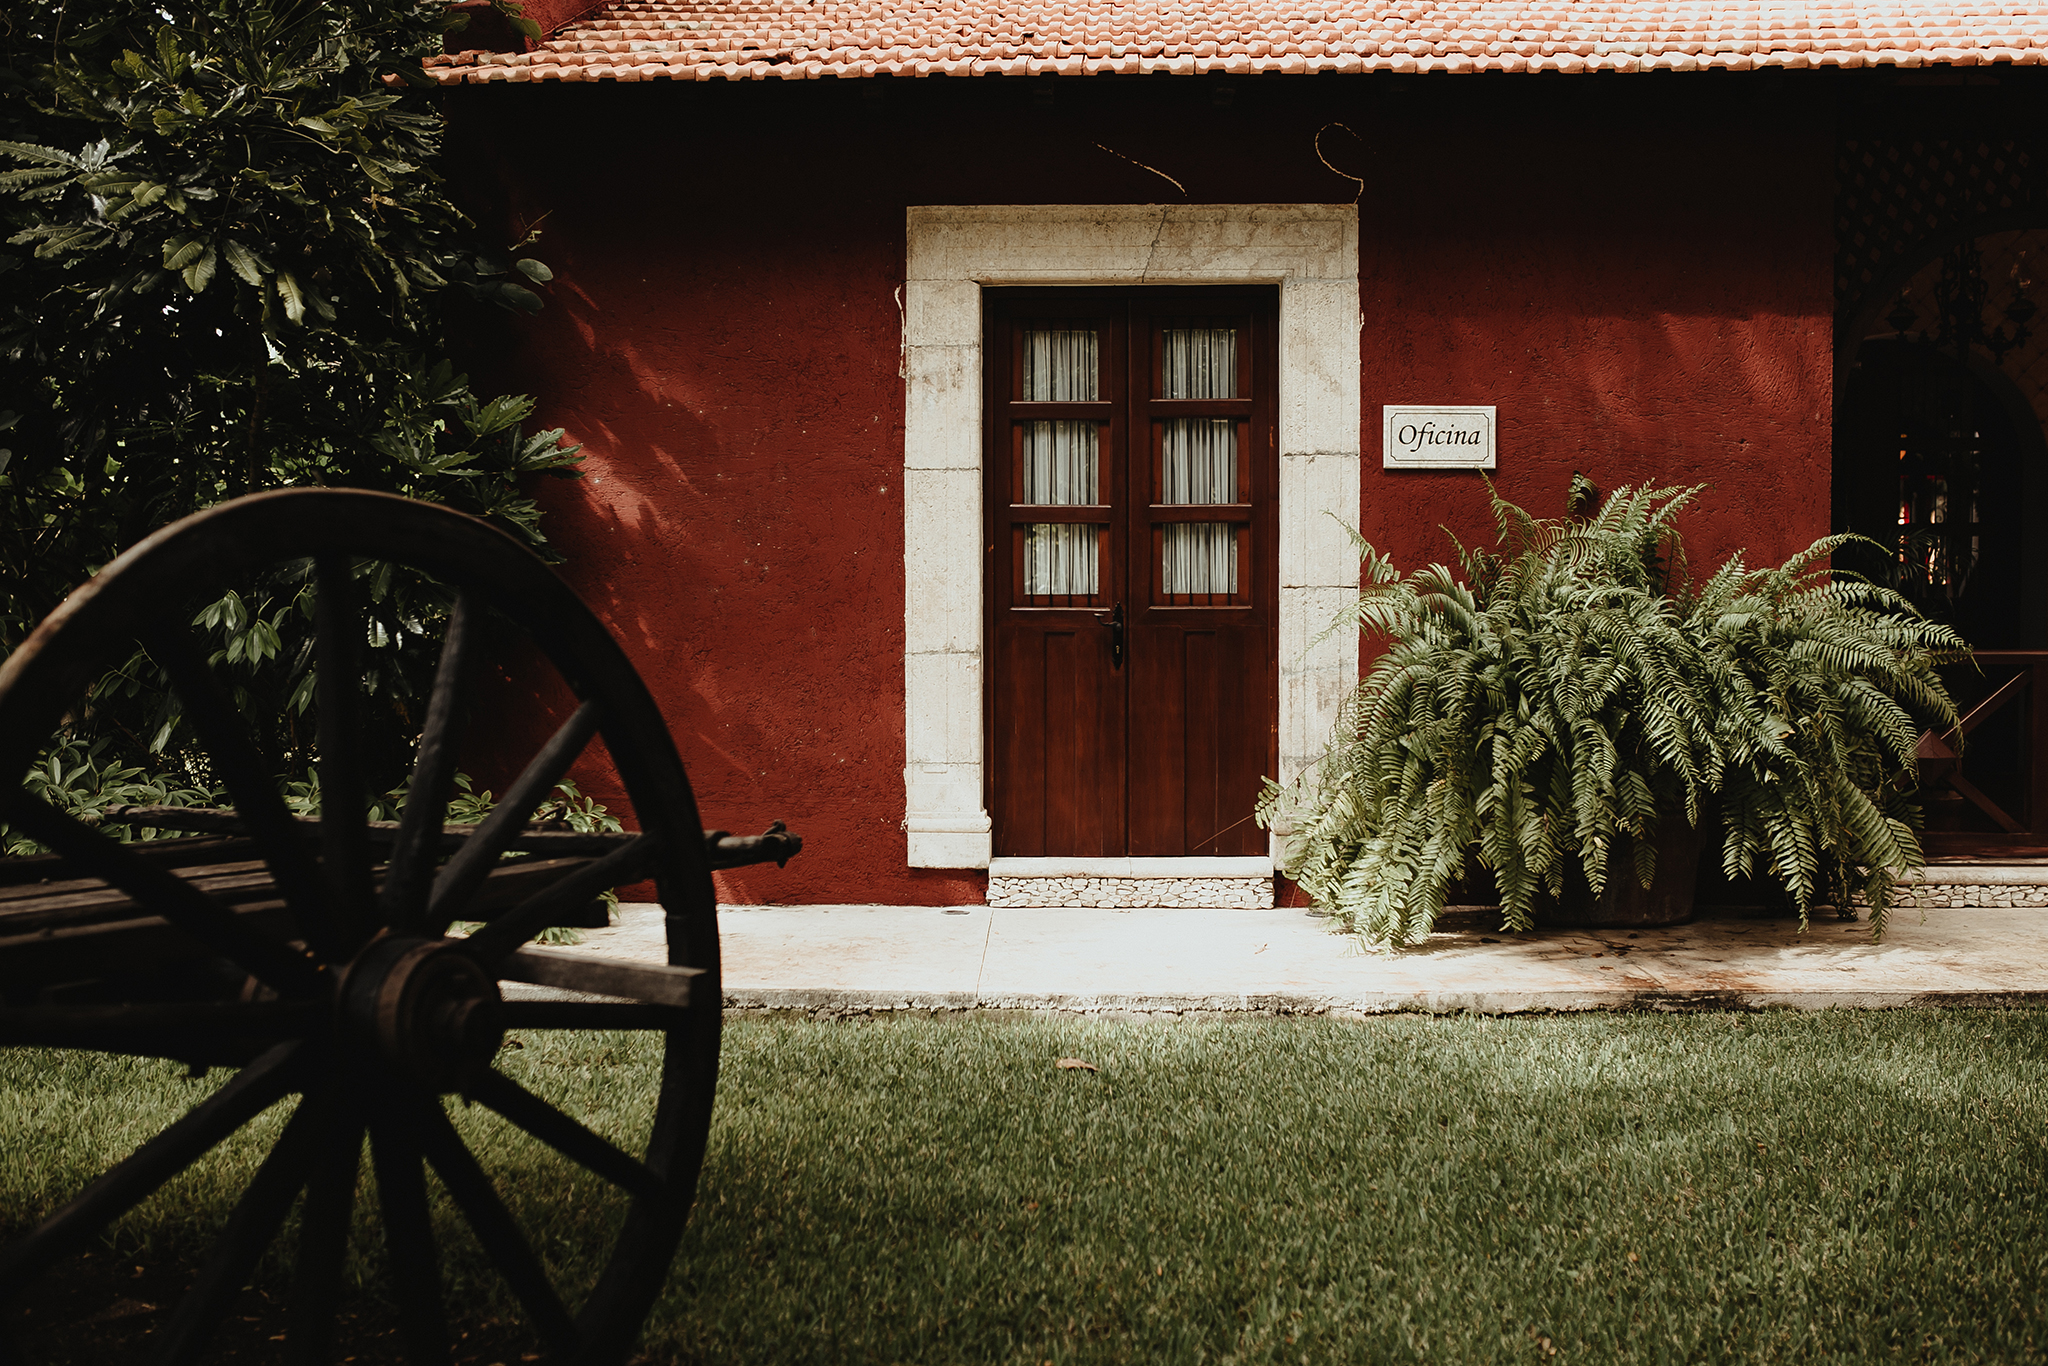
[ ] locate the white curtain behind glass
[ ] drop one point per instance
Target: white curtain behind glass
(1199, 460)
(1060, 365)
(1062, 463)
(1199, 362)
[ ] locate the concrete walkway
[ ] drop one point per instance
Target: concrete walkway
(855, 959)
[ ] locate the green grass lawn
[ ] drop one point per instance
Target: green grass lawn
(1840, 1187)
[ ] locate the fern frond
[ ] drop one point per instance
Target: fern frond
(1574, 686)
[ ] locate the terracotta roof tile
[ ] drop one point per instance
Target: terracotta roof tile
(634, 40)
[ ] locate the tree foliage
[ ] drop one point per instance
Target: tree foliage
(1572, 687)
(229, 263)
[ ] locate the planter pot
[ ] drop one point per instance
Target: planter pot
(1626, 903)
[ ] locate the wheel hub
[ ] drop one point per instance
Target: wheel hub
(425, 1008)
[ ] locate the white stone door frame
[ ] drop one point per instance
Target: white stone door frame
(1311, 252)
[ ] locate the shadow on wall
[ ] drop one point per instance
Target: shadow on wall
(739, 526)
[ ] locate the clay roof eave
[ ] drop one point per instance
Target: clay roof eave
(691, 40)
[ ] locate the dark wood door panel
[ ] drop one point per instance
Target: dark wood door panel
(1158, 728)
(1157, 750)
(1059, 745)
(1202, 735)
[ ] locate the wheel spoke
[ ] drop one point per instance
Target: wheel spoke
(409, 875)
(130, 1182)
(409, 1243)
(235, 759)
(592, 1015)
(565, 1135)
(479, 854)
(344, 845)
(166, 894)
(653, 983)
(323, 1246)
(169, 1024)
(250, 1229)
(502, 1239)
(507, 930)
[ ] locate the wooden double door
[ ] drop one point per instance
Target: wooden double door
(1133, 599)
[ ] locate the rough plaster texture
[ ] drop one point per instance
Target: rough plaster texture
(1311, 252)
(1700, 352)
(726, 342)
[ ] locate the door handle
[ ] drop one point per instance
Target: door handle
(1114, 618)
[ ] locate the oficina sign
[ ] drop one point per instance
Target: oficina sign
(1437, 437)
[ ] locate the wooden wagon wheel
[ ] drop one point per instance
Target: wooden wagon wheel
(351, 997)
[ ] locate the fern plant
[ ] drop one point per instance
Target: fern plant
(1562, 694)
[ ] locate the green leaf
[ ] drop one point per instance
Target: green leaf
(243, 262)
(544, 452)
(107, 184)
(34, 175)
(30, 151)
(199, 274)
(168, 56)
(182, 250)
(291, 296)
(534, 270)
(507, 410)
(526, 28)
(317, 125)
(60, 239)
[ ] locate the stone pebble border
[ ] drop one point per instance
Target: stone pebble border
(1936, 889)
(1968, 895)
(1180, 893)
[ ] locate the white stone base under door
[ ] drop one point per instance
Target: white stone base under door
(1973, 886)
(1224, 884)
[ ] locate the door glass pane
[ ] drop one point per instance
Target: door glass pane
(1200, 557)
(1199, 362)
(1062, 462)
(1060, 560)
(1060, 365)
(1198, 460)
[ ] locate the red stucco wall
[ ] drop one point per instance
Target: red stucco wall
(1635, 270)
(1641, 302)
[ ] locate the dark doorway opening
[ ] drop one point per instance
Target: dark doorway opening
(1930, 463)
(1939, 460)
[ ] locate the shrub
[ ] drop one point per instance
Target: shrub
(1573, 687)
